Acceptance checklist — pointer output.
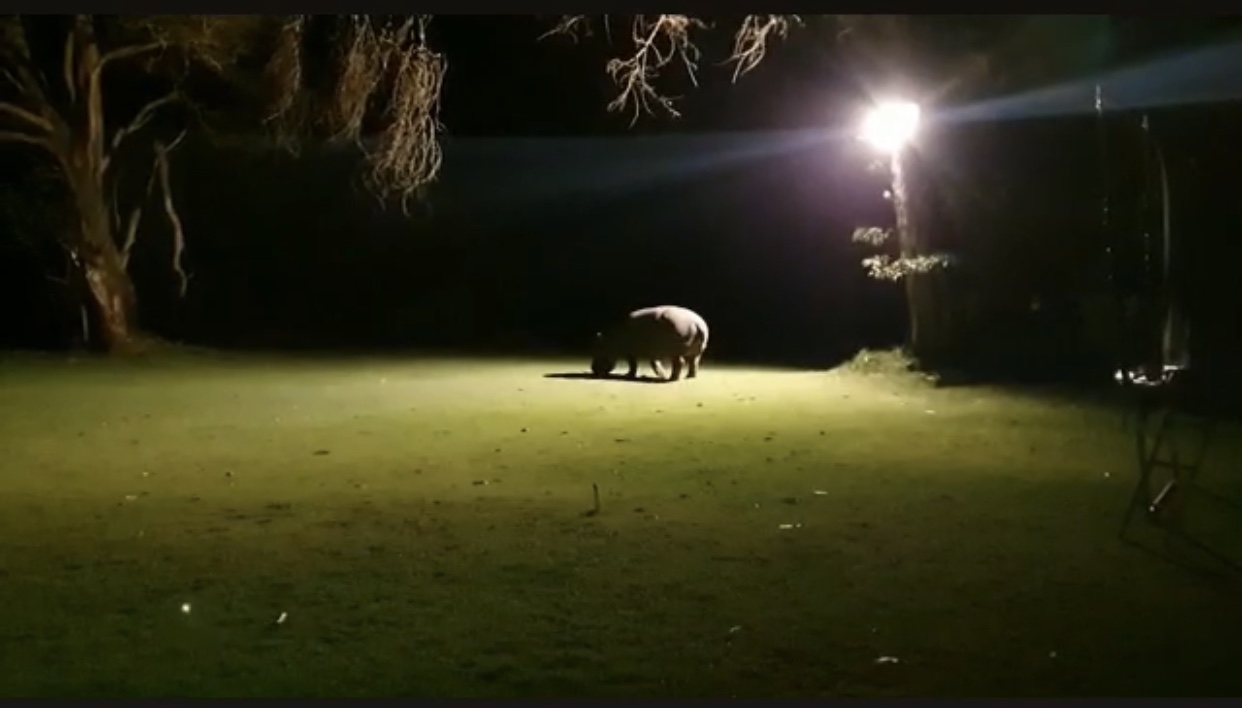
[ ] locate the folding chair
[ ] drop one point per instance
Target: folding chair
(1172, 435)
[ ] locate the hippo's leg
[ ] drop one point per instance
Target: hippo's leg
(657, 368)
(677, 366)
(692, 363)
(633, 372)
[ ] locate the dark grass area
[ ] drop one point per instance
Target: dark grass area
(421, 524)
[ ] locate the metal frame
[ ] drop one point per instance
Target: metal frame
(1168, 463)
(1172, 430)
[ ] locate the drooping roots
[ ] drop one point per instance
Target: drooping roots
(361, 60)
(407, 156)
(384, 77)
(284, 76)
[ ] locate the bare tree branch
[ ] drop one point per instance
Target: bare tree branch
(126, 53)
(658, 42)
(115, 200)
(30, 118)
(9, 136)
(174, 219)
(750, 42)
(12, 79)
(15, 52)
(572, 26)
(173, 145)
(636, 75)
(144, 116)
(71, 43)
(131, 230)
(135, 214)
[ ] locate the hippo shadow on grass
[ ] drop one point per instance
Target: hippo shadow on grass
(588, 376)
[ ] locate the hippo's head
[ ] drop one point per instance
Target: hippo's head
(601, 363)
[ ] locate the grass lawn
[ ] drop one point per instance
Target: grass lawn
(419, 526)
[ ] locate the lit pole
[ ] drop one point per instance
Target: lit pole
(889, 128)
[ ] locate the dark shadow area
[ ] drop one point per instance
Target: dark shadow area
(588, 376)
(1203, 544)
(1191, 558)
(412, 352)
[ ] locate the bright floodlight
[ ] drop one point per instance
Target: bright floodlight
(889, 126)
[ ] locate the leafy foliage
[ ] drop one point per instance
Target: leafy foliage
(890, 268)
(885, 267)
(872, 235)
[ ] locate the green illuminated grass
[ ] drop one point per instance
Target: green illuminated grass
(422, 524)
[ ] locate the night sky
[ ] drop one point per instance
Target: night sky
(553, 216)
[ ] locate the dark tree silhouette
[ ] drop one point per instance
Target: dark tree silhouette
(59, 97)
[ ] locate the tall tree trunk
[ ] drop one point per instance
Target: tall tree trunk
(108, 284)
(908, 245)
(84, 160)
(929, 335)
(72, 130)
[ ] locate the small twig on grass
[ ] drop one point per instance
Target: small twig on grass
(594, 510)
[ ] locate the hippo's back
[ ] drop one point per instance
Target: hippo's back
(685, 326)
